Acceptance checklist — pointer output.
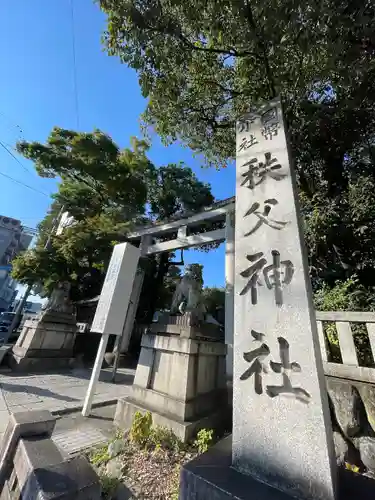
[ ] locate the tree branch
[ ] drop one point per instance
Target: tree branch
(78, 178)
(224, 89)
(301, 61)
(230, 52)
(211, 120)
(176, 33)
(298, 35)
(263, 49)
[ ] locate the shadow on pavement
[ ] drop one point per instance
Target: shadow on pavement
(100, 417)
(38, 391)
(122, 377)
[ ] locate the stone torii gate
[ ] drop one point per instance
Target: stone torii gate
(161, 237)
(120, 288)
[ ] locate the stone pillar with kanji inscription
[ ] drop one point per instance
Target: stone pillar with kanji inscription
(281, 424)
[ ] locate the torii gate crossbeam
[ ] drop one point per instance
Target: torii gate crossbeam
(222, 211)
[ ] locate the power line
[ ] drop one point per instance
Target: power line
(23, 184)
(75, 85)
(14, 157)
(13, 123)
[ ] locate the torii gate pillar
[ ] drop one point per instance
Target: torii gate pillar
(229, 290)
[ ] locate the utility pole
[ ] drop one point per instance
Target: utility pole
(22, 302)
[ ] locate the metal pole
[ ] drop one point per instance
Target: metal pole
(95, 375)
(119, 338)
(116, 350)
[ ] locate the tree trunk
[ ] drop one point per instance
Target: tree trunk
(163, 267)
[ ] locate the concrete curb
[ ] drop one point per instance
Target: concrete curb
(73, 409)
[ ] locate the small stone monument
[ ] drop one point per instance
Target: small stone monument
(282, 438)
(47, 341)
(180, 375)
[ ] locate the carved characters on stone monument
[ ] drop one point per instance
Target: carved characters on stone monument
(269, 124)
(188, 294)
(244, 125)
(269, 131)
(247, 143)
(279, 273)
(259, 367)
(286, 368)
(257, 171)
(257, 357)
(273, 273)
(263, 216)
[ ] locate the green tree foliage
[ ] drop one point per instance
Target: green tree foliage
(213, 298)
(174, 190)
(103, 188)
(201, 64)
(108, 191)
(340, 227)
(343, 296)
(97, 175)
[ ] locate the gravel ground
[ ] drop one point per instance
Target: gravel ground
(144, 474)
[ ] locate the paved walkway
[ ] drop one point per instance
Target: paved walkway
(59, 393)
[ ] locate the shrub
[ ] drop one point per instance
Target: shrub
(99, 456)
(144, 434)
(162, 437)
(141, 428)
(109, 486)
(204, 440)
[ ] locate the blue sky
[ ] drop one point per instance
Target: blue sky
(37, 93)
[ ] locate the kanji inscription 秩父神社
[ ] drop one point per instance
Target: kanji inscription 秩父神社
(280, 409)
(277, 273)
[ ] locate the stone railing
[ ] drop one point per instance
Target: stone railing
(350, 367)
(32, 467)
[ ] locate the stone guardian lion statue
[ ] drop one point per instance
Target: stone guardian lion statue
(188, 294)
(59, 300)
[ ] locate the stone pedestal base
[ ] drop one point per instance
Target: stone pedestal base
(186, 325)
(181, 381)
(43, 345)
(211, 476)
(186, 431)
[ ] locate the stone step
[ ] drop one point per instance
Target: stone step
(74, 441)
